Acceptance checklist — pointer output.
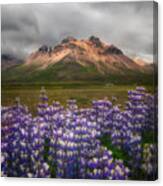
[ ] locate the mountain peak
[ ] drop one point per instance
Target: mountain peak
(96, 41)
(112, 50)
(79, 60)
(106, 58)
(68, 39)
(72, 43)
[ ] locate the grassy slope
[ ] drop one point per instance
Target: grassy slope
(68, 72)
(58, 72)
(64, 81)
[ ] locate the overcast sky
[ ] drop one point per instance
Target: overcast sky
(126, 25)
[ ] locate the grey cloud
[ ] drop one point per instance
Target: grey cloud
(127, 25)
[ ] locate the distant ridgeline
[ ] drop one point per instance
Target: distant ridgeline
(86, 60)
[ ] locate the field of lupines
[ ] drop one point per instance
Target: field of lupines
(101, 142)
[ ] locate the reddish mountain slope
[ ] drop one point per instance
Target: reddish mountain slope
(107, 58)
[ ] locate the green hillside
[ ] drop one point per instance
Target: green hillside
(68, 72)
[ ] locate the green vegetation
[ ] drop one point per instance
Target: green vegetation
(58, 72)
(84, 93)
(72, 71)
(117, 153)
(68, 81)
(150, 137)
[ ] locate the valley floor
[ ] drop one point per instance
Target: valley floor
(84, 94)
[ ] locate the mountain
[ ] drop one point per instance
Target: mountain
(77, 60)
(8, 61)
(141, 61)
(147, 65)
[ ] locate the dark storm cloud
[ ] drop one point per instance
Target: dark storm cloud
(127, 25)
